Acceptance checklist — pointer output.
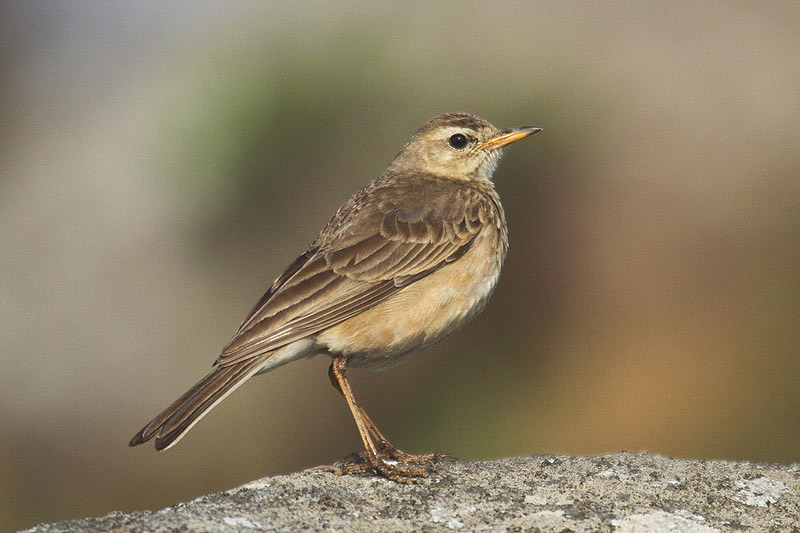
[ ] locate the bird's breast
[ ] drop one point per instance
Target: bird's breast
(425, 311)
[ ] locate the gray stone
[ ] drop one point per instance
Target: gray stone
(622, 492)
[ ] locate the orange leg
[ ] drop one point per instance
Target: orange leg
(376, 447)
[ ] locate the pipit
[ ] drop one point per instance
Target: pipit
(405, 262)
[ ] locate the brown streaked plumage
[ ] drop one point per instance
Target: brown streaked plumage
(403, 263)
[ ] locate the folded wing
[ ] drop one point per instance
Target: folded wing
(382, 250)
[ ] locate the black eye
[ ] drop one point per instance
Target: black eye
(458, 141)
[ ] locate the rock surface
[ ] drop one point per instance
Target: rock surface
(622, 492)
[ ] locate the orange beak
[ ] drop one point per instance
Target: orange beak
(508, 137)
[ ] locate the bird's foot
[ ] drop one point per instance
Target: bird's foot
(409, 465)
(386, 450)
(365, 461)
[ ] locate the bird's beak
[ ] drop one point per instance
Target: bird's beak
(508, 136)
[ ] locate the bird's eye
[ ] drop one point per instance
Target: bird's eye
(458, 141)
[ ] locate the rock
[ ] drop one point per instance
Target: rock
(622, 492)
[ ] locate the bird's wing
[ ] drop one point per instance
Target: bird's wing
(370, 254)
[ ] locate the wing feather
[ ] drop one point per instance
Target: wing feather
(385, 248)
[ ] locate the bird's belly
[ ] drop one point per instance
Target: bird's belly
(422, 313)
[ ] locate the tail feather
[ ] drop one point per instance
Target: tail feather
(169, 426)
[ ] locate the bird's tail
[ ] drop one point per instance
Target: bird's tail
(186, 411)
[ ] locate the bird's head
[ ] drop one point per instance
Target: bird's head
(458, 146)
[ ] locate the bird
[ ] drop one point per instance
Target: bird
(406, 261)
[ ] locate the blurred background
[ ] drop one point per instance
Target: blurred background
(161, 163)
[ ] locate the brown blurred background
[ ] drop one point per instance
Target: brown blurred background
(161, 163)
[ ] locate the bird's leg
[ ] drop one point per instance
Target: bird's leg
(386, 449)
(371, 457)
